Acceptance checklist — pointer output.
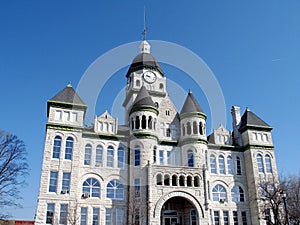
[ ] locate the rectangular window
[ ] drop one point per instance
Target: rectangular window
(119, 216)
(226, 217)
(244, 218)
(74, 117)
(63, 214)
(50, 213)
(53, 181)
(87, 155)
(161, 157)
(217, 217)
(66, 181)
(154, 156)
(169, 158)
(66, 116)
(83, 216)
(235, 218)
(108, 217)
(193, 217)
(137, 157)
(96, 215)
(137, 187)
(58, 114)
(238, 166)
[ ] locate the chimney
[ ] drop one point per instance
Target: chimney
(236, 119)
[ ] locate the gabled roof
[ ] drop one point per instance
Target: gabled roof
(252, 121)
(68, 95)
(190, 105)
(143, 98)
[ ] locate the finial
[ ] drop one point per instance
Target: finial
(190, 92)
(69, 84)
(145, 28)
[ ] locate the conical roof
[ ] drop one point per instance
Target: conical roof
(67, 95)
(143, 98)
(191, 105)
(252, 121)
(144, 60)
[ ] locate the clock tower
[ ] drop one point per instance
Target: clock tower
(144, 71)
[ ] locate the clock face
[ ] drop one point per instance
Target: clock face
(149, 76)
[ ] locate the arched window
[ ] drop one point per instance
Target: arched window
(219, 193)
(196, 181)
(189, 181)
(137, 83)
(213, 167)
(91, 186)
(115, 190)
(195, 127)
(144, 122)
(167, 180)
(188, 128)
(181, 181)
(150, 121)
(159, 179)
(69, 148)
(260, 163)
(268, 164)
(56, 147)
(183, 130)
(121, 157)
(238, 167)
(87, 154)
(137, 155)
(174, 180)
(221, 164)
(201, 128)
(137, 122)
(161, 86)
(237, 194)
(190, 158)
(229, 165)
(99, 156)
(110, 156)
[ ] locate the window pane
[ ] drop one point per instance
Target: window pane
(161, 157)
(137, 187)
(96, 214)
(119, 216)
(244, 218)
(108, 217)
(190, 158)
(216, 217)
(92, 187)
(226, 217)
(219, 193)
(69, 148)
(137, 156)
(238, 166)
(66, 181)
(221, 165)
(63, 214)
(53, 181)
(50, 213)
(235, 218)
(268, 164)
(56, 147)
(110, 157)
(88, 154)
(260, 164)
(213, 168)
(99, 155)
(83, 216)
(115, 190)
(229, 165)
(121, 158)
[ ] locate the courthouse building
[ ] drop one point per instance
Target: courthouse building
(160, 168)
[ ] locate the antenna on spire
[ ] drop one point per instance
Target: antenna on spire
(145, 28)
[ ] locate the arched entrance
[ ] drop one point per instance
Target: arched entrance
(179, 211)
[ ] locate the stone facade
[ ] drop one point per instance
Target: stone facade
(160, 168)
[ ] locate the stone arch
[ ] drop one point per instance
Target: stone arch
(185, 195)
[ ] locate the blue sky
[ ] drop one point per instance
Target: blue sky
(252, 47)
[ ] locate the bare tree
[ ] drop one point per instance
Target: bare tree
(292, 186)
(271, 201)
(13, 168)
(73, 213)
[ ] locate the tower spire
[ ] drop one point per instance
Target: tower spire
(145, 28)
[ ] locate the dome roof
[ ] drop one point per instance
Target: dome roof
(144, 60)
